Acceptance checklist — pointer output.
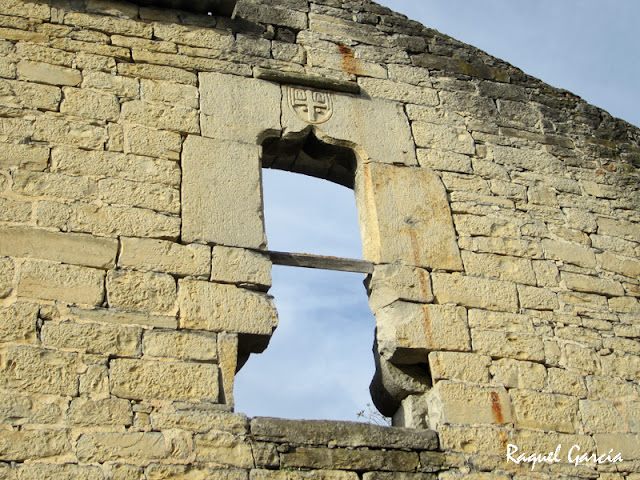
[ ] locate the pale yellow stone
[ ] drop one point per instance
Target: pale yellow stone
(516, 374)
(64, 131)
(443, 137)
(534, 410)
(152, 142)
(93, 338)
(33, 444)
(171, 93)
(508, 322)
(508, 344)
(183, 344)
(459, 403)
(566, 383)
(116, 84)
(302, 475)
(626, 444)
(161, 198)
(405, 217)
(472, 439)
(38, 370)
(468, 367)
(7, 272)
(184, 381)
(88, 104)
(219, 308)
(47, 73)
(499, 266)
(18, 322)
(591, 284)
(240, 265)
(601, 416)
(569, 252)
(142, 291)
(67, 283)
(38, 184)
(106, 411)
(27, 157)
(232, 171)
(537, 298)
(164, 256)
(400, 92)
(136, 446)
(224, 448)
(398, 282)
(475, 292)
(73, 248)
(406, 331)
(165, 117)
(30, 95)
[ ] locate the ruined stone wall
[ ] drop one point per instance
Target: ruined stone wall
(501, 217)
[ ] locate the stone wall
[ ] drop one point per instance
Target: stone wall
(500, 214)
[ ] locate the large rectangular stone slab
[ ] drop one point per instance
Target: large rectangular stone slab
(218, 174)
(239, 109)
(475, 292)
(407, 332)
(163, 256)
(74, 248)
(145, 380)
(405, 217)
(225, 308)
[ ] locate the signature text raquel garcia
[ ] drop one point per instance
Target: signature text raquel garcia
(574, 456)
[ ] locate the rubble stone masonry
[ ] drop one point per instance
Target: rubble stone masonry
(501, 217)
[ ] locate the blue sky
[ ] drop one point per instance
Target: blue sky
(319, 362)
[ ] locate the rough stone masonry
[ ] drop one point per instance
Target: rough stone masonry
(500, 215)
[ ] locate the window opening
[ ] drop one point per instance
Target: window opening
(319, 361)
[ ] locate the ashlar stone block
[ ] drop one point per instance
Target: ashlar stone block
(475, 292)
(398, 282)
(405, 217)
(239, 109)
(216, 173)
(219, 308)
(240, 265)
(163, 256)
(408, 331)
(546, 411)
(146, 379)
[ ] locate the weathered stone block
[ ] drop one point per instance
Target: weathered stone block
(111, 25)
(165, 117)
(475, 292)
(106, 411)
(342, 434)
(508, 344)
(36, 184)
(164, 472)
(468, 367)
(590, 284)
(30, 95)
(459, 403)
(122, 86)
(227, 115)
(151, 142)
(163, 256)
(224, 448)
(273, 14)
(627, 266)
(66, 283)
(343, 459)
(537, 298)
(398, 282)
(443, 137)
(566, 383)
(443, 160)
(47, 73)
(569, 252)
(219, 308)
(144, 291)
(63, 131)
(508, 322)
(88, 104)
(627, 444)
(232, 170)
(137, 447)
(25, 157)
(201, 421)
(302, 475)
(601, 416)
(503, 267)
(21, 409)
(516, 374)
(129, 221)
(18, 322)
(73, 248)
(145, 380)
(240, 265)
(161, 198)
(59, 472)
(472, 439)
(33, 444)
(185, 345)
(120, 317)
(7, 272)
(170, 93)
(39, 370)
(558, 413)
(93, 338)
(399, 92)
(405, 217)
(407, 332)
(157, 72)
